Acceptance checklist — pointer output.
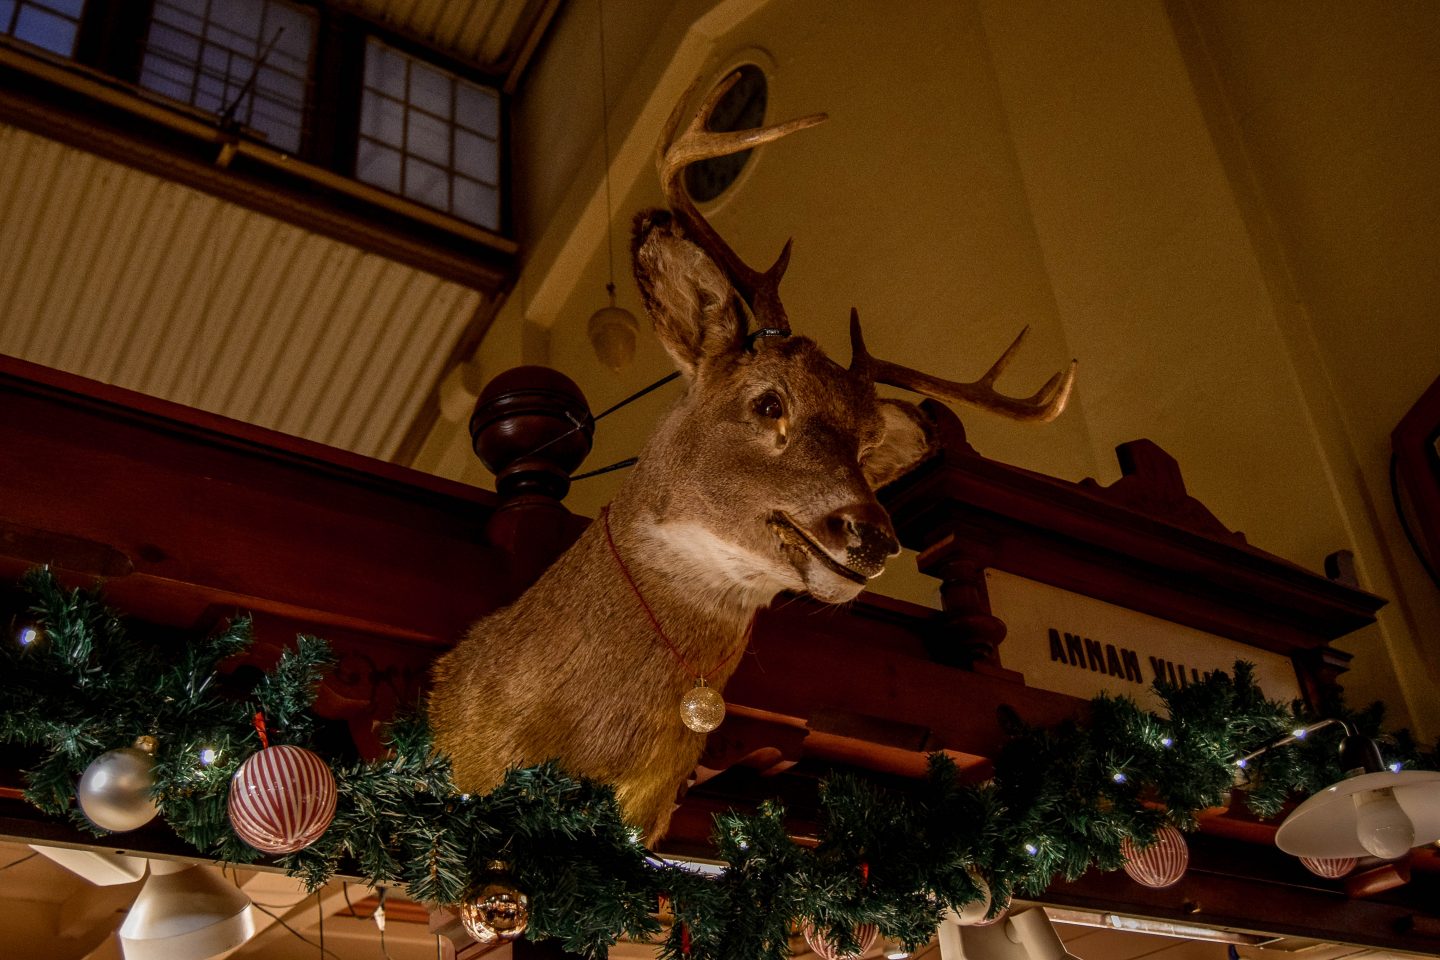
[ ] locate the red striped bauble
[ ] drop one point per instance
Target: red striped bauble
(865, 935)
(1328, 867)
(282, 799)
(1162, 862)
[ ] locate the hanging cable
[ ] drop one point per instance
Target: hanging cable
(605, 140)
(579, 425)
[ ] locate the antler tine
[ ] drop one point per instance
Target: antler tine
(760, 290)
(1042, 406)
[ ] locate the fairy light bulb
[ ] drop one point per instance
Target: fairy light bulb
(1381, 826)
(27, 634)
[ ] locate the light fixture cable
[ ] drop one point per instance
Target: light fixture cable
(605, 146)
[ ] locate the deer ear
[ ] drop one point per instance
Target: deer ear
(692, 303)
(907, 441)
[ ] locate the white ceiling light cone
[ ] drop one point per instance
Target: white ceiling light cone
(185, 912)
(1374, 814)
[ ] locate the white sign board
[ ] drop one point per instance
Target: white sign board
(1070, 643)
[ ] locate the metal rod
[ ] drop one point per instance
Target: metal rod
(637, 395)
(617, 465)
(1295, 736)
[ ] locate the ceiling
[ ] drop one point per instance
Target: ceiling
(492, 35)
(53, 914)
(125, 275)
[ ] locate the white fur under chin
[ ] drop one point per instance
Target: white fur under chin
(716, 570)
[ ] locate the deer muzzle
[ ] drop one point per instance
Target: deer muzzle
(852, 542)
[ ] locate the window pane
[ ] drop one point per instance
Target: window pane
(378, 165)
(7, 9)
(210, 94)
(429, 89)
(171, 13)
(71, 8)
(294, 29)
(164, 85)
(240, 19)
(280, 88)
(429, 138)
(477, 203)
(46, 30)
(385, 70)
(222, 40)
(221, 63)
(174, 43)
(426, 183)
(383, 119)
(479, 110)
(477, 157)
(165, 69)
(447, 161)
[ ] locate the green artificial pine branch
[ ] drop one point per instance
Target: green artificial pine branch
(1061, 801)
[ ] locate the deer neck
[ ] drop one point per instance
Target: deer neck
(702, 592)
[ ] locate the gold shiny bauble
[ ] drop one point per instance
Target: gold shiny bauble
(702, 708)
(495, 909)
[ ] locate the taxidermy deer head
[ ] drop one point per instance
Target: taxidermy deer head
(760, 479)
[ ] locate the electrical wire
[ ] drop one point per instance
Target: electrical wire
(377, 916)
(579, 425)
(296, 933)
(16, 863)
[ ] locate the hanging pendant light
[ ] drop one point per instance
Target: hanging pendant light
(185, 912)
(1373, 811)
(612, 329)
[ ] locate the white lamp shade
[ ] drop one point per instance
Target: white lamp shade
(1327, 825)
(185, 912)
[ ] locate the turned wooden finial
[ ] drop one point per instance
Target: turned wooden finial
(531, 428)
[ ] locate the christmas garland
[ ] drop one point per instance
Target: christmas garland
(74, 684)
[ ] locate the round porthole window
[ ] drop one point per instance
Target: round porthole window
(742, 108)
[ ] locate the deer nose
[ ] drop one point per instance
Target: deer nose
(865, 533)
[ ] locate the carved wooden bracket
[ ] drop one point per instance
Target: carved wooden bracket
(1152, 485)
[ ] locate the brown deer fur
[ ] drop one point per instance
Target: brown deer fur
(729, 505)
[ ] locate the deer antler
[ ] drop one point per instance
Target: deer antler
(760, 290)
(1043, 405)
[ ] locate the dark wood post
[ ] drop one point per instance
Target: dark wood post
(531, 428)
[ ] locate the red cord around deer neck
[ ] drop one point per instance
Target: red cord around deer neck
(654, 621)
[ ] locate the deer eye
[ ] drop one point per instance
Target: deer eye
(769, 405)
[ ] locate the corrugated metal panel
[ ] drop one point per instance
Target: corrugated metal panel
(121, 276)
(487, 33)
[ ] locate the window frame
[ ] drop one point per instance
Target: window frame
(112, 40)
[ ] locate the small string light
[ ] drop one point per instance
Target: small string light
(27, 634)
(1396, 766)
(1031, 849)
(1242, 763)
(1167, 742)
(1119, 777)
(1300, 733)
(208, 756)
